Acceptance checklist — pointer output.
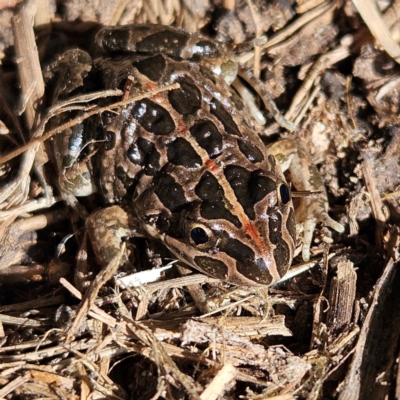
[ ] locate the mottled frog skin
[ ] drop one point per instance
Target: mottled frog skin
(186, 166)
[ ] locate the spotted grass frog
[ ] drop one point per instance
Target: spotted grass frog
(186, 166)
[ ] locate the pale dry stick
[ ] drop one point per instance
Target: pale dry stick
(150, 11)
(298, 270)
(216, 389)
(9, 369)
(229, 4)
(325, 61)
(117, 13)
(30, 72)
(258, 33)
(16, 229)
(392, 195)
(341, 341)
(21, 321)
(45, 15)
(32, 89)
(3, 129)
(176, 282)
(14, 384)
(371, 15)
(308, 5)
(388, 87)
(28, 207)
(48, 352)
(142, 278)
(157, 11)
(20, 180)
(142, 308)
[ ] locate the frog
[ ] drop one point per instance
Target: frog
(185, 165)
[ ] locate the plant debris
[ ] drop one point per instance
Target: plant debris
(70, 330)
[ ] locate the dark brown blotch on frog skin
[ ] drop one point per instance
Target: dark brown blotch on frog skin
(187, 99)
(260, 186)
(249, 187)
(181, 152)
(217, 211)
(211, 266)
(144, 153)
(166, 41)
(239, 177)
(251, 152)
(247, 264)
(256, 271)
(235, 248)
(152, 67)
(170, 192)
(112, 39)
(219, 111)
(208, 188)
(153, 117)
(213, 207)
(281, 250)
(208, 137)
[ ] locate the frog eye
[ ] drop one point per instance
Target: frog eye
(199, 235)
(284, 193)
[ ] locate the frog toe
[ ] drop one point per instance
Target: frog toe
(328, 221)
(309, 228)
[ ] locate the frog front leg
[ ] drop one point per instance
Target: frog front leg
(305, 176)
(106, 228)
